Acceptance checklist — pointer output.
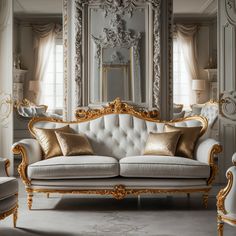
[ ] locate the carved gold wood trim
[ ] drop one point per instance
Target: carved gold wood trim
(22, 169)
(13, 211)
(216, 149)
(220, 225)
(118, 192)
(228, 220)
(116, 107)
(7, 165)
(223, 193)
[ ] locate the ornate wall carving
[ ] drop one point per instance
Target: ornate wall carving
(117, 36)
(228, 105)
(124, 9)
(230, 9)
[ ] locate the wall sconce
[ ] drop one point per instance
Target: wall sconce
(198, 85)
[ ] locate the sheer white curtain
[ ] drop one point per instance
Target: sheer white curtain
(4, 13)
(44, 42)
(186, 37)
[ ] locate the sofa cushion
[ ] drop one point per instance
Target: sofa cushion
(162, 143)
(163, 167)
(71, 167)
(187, 141)
(48, 140)
(8, 204)
(8, 187)
(74, 144)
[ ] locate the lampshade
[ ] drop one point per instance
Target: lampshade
(34, 85)
(198, 84)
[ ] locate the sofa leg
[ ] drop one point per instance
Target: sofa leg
(48, 195)
(205, 199)
(30, 200)
(220, 226)
(15, 216)
(188, 195)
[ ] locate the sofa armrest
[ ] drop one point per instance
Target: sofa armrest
(31, 152)
(206, 151)
(4, 164)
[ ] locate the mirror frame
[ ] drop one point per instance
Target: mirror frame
(159, 38)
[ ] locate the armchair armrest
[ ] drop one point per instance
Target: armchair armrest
(4, 164)
(206, 152)
(31, 152)
(226, 198)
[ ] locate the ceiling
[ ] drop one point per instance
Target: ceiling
(195, 7)
(43, 7)
(180, 7)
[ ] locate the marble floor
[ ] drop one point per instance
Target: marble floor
(74, 215)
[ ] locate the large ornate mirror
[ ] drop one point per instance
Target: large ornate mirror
(117, 50)
(117, 67)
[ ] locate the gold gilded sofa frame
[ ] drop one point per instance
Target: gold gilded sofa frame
(223, 218)
(118, 191)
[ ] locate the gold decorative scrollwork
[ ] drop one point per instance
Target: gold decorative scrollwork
(119, 192)
(22, 169)
(6, 103)
(7, 165)
(116, 107)
(216, 149)
(223, 193)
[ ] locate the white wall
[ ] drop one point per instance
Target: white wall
(6, 65)
(206, 52)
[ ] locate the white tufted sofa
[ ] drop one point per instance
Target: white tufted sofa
(118, 135)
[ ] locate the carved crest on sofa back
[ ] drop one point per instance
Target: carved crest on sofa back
(117, 107)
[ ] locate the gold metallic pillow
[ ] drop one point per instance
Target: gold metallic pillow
(187, 141)
(162, 143)
(48, 140)
(74, 144)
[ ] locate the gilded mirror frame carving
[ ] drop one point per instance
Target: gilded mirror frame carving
(127, 6)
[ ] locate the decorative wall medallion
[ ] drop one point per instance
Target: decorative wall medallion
(116, 36)
(230, 9)
(6, 105)
(228, 105)
(118, 7)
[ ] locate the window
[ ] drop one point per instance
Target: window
(181, 77)
(53, 82)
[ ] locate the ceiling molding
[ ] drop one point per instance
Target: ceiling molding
(196, 7)
(212, 8)
(20, 6)
(35, 17)
(195, 17)
(205, 5)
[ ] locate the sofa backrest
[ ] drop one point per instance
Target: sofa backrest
(119, 134)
